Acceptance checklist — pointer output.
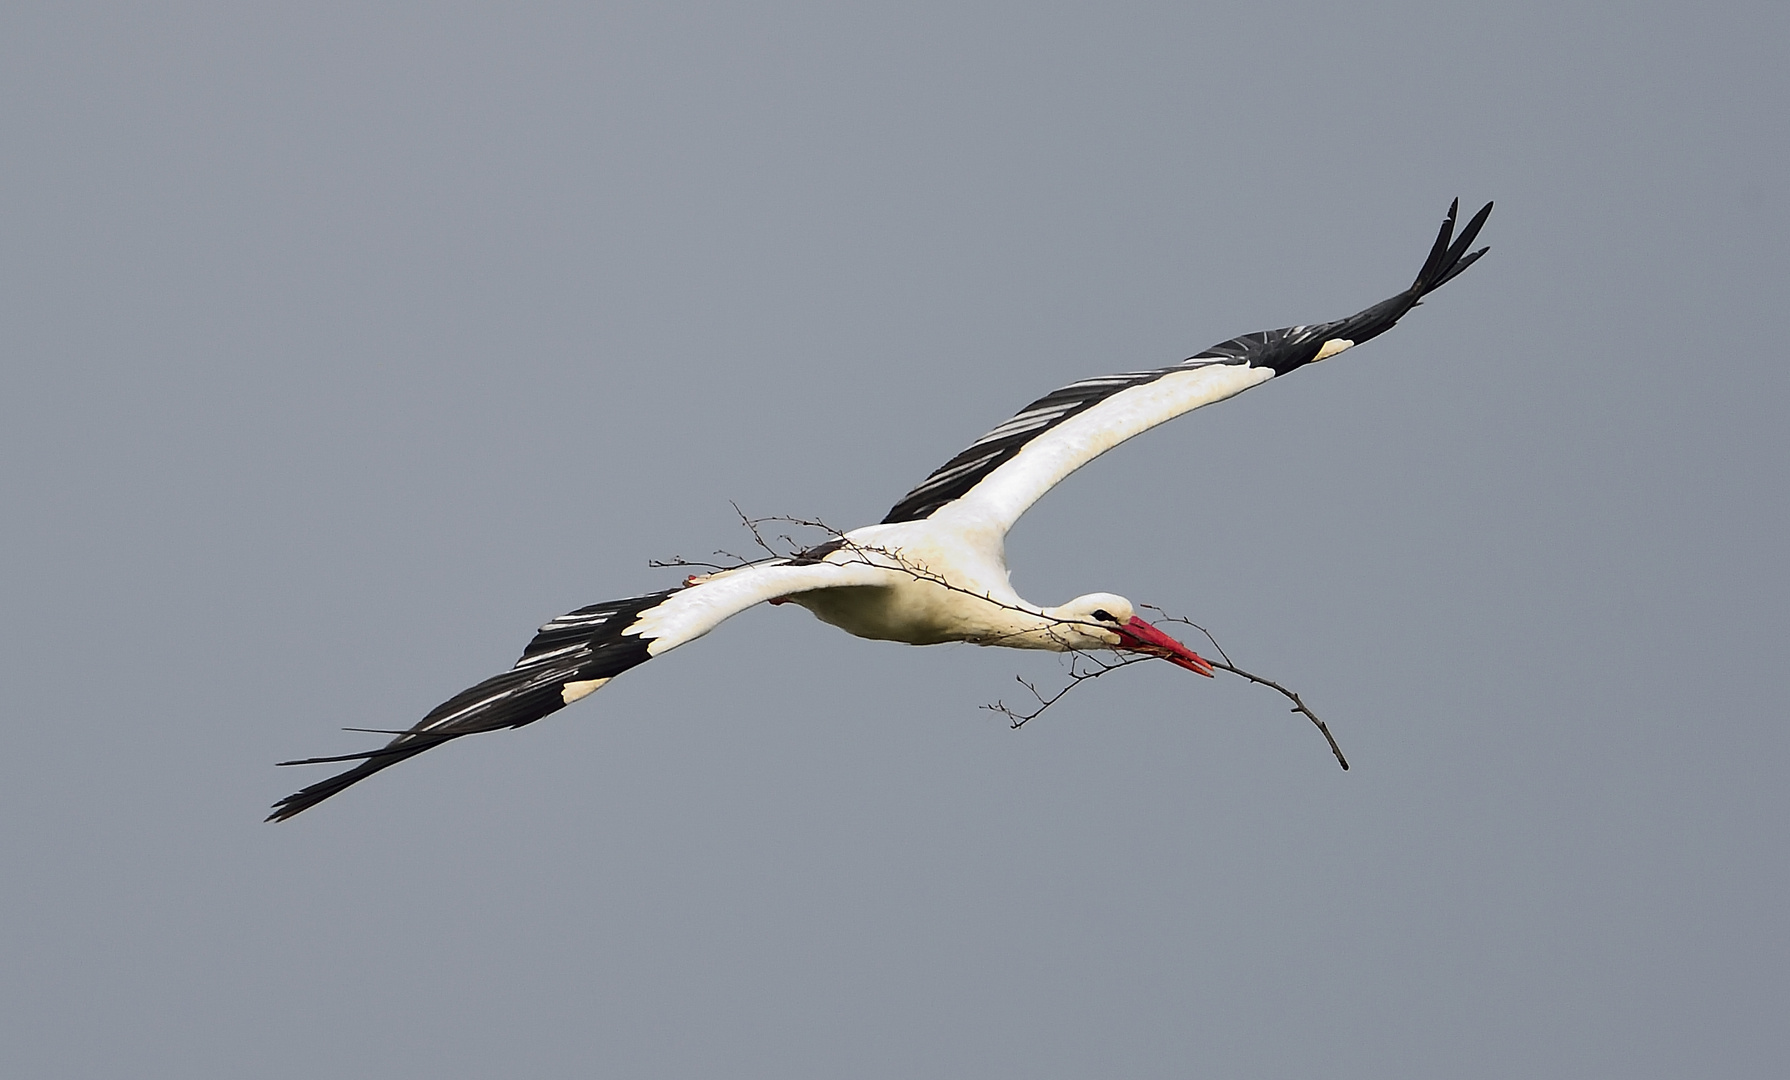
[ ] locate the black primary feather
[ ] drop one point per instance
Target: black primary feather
(576, 647)
(1295, 346)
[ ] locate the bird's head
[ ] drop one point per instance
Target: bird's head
(1106, 621)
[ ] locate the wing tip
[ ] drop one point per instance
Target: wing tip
(1295, 346)
(572, 656)
(371, 761)
(1449, 256)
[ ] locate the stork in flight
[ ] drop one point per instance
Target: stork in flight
(935, 568)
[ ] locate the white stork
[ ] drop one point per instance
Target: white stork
(935, 568)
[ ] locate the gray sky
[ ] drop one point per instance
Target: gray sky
(346, 344)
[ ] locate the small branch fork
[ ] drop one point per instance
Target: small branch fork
(1083, 666)
(792, 545)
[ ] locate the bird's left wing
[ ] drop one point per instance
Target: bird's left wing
(1004, 472)
(575, 654)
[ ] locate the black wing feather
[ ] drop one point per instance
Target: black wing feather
(956, 477)
(1295, 346)
(1281, 350)
(576, 647)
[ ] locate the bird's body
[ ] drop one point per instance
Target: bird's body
(918, 583)
(935, 569)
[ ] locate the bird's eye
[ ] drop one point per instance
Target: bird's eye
(1104, 615)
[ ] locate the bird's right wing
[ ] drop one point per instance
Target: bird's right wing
(575, 654)
(1004, 472)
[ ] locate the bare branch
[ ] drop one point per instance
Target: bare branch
(1079, 672)
(1299, 705)
(679, 560)
(1077, 676)
(752, 527)
(1166, 617)
(752, 524)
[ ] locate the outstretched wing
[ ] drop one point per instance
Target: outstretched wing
(575, 654)
(1004, 472)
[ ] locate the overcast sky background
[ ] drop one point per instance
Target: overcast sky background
(344, 344)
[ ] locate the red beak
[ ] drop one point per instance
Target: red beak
(1139, 636)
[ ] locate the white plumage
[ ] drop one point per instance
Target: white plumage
(935, 569)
